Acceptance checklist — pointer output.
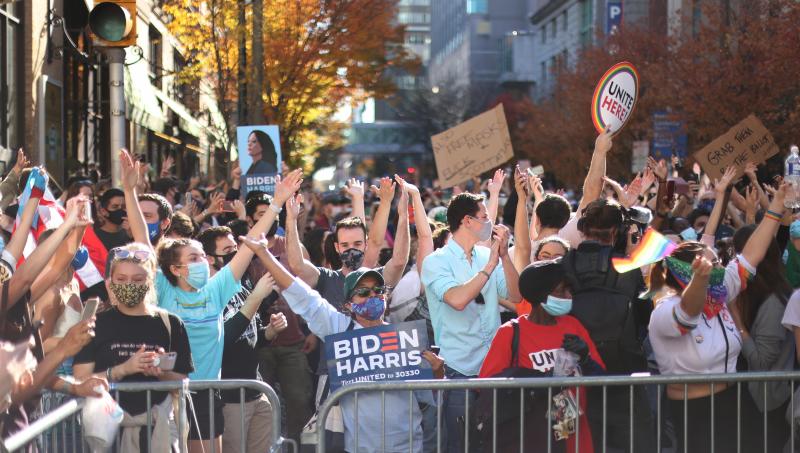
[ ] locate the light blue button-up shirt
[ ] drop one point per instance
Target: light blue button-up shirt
(463, 336)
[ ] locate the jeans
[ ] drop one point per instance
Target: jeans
(455, 403)
(287, 366)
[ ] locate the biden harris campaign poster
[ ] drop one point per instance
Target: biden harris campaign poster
(391, 352)
(259, 157)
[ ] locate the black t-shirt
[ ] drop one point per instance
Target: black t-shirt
(112, 240)
(239, 358)
(119, 336)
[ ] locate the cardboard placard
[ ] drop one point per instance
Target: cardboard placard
(615, 97)
(259, 157)
(473, 147)
(748, 141)
(392, 352)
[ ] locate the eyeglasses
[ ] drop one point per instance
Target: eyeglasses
(123, 254)
(364, 292)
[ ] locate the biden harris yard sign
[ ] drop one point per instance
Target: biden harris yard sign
(615, 97)
(391, 352)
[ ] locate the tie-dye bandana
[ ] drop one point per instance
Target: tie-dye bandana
(717, 294)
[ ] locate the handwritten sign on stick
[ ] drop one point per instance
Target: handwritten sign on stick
(748, 141)
(473, 147)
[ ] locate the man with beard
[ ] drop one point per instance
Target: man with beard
(112, 225)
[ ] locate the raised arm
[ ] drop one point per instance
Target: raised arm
(694, 295)
(593, 184)
(759, 241)
(494, 186)
(535, 186)
(501, 235)
(17, 242)
(284, 189)
(24, 276)
(393, 271)
(750, 170)
(377, 231)
(424, 233)
(294, 250)
(460, 296)
(356, 191)
(721, 190)
(129, 177)
(522, 243)
(62, 258)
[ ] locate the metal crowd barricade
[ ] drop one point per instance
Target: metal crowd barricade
(50, 433)
(494, 384)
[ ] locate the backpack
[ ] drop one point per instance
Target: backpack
(605, 302)
(535, 424)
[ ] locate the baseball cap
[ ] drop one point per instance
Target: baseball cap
(539, 279)
(352, 279)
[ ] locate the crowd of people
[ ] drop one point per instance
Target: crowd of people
(200, 280)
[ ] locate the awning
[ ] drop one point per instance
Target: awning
(187, 122)
(141, 103)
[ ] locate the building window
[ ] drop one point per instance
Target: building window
(405, 17)
(586, 24)
(477, 6)
(543, 32)
(155, 54)
(544, 71)
(553, 27)
(10, 80)
(564, 20)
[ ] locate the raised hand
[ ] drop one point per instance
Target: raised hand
(286, 187)
(265, 285)
(355, 188)
(77, 337)
(405, 185)
(386, 191)
(216, 202)
(166, 166)
(496, 183)
(129, 170)
(603, 142)
(257, 245)
(239, 209)
(750, 169)
(721, 185)
(294, 207)
(521, 183)
(701, 267)
(537, 188)
(648, 178)
(659, 168)
(77, 212)
(501, 234)
(22, 162)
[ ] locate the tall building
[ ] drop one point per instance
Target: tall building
(54, 85)
(468, 37)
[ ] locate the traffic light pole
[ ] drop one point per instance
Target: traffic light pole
(116, 77)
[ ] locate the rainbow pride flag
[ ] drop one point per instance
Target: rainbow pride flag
(654, 247)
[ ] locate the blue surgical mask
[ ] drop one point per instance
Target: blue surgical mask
(556, 306)
(689, 234)
(80, 258)
(372, 309)
(153, 230)
(198, 274)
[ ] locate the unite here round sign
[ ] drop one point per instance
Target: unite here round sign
(615, 97)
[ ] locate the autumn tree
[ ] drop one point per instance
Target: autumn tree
(315, 56)
(714, 71)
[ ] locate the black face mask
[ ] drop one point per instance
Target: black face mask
(116, 217)
(224, 258)
(352, 258)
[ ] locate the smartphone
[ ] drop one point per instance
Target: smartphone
(435, 349)
(166, 361)
(227, 206)
(87, 210)
(90, 308)
(536, 171)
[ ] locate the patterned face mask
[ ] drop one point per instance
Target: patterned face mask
(717, 294)
(129, 294)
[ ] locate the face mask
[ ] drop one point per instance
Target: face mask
(352, 258)
(556, 306)
(198, 274)
(689, 234)
(153, 230)
(485, 233)
(129, 294)
(225, 260)
(372, 309)
(81, 257)
(716, 294)
(115, 217)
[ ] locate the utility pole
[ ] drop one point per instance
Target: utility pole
(116, 92)
(257, 102)
(242, 72)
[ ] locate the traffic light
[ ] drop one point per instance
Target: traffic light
(112, 23)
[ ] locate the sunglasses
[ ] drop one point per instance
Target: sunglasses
(139, 255)
(364, 292)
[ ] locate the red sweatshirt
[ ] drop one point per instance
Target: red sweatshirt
(537, 346)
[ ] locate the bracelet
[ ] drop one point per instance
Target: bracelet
(109, 373)
(773, 216)
(485, 273)
(275, 208)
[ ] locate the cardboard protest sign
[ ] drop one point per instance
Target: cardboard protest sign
(748, 141)
(259, 157)
(391, 352)
(615, 97)
(473, 147)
